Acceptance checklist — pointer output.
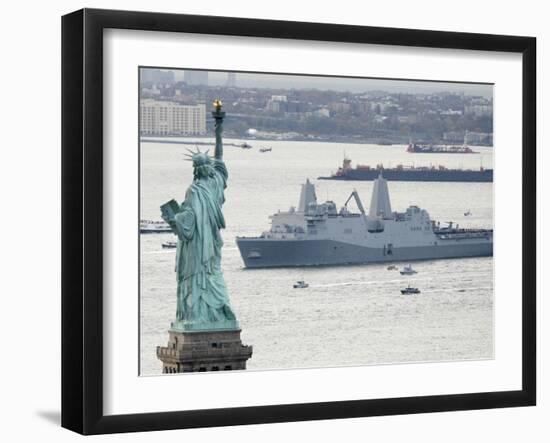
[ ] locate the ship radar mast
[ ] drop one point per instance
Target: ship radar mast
(380, 205)
(307, 196)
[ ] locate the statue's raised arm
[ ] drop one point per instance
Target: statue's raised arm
(218, 115)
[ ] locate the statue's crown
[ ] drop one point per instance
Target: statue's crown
(198, 158)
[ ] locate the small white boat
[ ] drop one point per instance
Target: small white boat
(392, 268)
(265, 149)
(300, 284)
(170, 244)
(152, 227)
(410, 290)
(407, 270)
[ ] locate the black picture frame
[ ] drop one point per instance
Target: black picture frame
(82, 218)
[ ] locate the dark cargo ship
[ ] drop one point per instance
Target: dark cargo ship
(411, 173)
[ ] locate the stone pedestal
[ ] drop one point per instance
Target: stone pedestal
(203, 351)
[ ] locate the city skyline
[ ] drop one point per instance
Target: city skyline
(342, 84)
(380, 110)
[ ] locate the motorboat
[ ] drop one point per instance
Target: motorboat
(300, 284)
(407, 270)
(410, 290)
(152, 227)
(392, 268)
(170, 244)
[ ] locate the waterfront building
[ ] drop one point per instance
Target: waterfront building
(168, 118)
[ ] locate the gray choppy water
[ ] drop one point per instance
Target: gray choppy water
(350, 315)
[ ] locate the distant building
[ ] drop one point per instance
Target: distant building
(156, 76)
(479, 138)
(382, 107)
(168, 118)
(479, 110)
(277, 103)
(231, 81)
(451, 112)
(454, 136)
(150, 92)
(403, 119)
(294, 106)
(322, 112)
(474, 138)
(340, 107)
(195, 78)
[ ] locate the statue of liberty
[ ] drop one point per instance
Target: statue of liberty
(202, 299)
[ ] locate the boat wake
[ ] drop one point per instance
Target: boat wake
(165, 251)
(383, 282)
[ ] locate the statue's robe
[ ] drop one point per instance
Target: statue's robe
(202, 294)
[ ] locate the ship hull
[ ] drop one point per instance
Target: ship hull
(266, 253)
(418, 175)
(440, 151)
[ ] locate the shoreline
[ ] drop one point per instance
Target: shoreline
(209, 141)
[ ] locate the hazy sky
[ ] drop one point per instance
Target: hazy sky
(356, 85)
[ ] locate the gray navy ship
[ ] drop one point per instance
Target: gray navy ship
(320, 234)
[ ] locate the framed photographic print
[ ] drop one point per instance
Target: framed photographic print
(273, 221)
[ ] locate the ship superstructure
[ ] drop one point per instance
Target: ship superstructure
(316, 234)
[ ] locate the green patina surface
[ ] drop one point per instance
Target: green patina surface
(202, 298)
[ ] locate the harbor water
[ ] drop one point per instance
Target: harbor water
(349, 315)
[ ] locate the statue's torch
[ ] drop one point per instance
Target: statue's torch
(218, 115)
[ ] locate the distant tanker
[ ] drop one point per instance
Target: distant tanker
(428, 148)
(410, 173)
(419, 148)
